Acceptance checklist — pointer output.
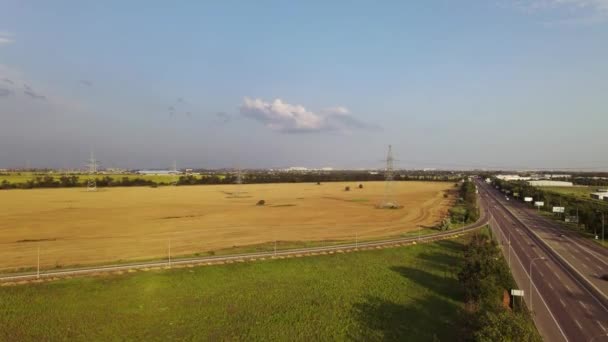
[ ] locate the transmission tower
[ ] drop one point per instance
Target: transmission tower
(175, 177)
(92, 181)
(239, 181)
(389, 201)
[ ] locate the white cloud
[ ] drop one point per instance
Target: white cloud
(284, 117)
(6, 38)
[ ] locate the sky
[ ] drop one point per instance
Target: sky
(256, 84)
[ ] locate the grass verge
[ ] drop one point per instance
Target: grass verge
(407, 293)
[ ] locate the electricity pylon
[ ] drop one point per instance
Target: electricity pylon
(389, 201)
(92, 181)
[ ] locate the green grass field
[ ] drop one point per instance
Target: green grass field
(578, 191)
(407, 293)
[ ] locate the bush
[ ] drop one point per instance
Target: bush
(261, 202)
(360, 186)
(347, 188)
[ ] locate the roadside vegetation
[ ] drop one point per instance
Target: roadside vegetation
(465, 211)
(486, 280)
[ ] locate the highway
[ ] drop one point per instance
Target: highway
(566, 305)
(25, 276)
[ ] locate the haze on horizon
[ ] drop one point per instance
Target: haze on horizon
(498, 84)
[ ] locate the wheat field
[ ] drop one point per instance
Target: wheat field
(75, 227)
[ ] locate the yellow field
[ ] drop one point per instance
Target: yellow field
(72, 226)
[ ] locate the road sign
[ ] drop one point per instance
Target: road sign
(571, 219)
(527, 199)
(559, 209)
(516, 194)
(517, 293)
(539, 204)
(508, 191)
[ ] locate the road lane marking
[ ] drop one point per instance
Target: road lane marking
(550, 286)
(579, 325)
(584, 265)
(561, 301)
(525, 271)
(601, 326)
(583, 305)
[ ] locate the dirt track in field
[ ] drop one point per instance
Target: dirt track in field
(72, 226)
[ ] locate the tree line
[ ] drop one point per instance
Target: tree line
(466, 209)
(68, 181)
(73, 181)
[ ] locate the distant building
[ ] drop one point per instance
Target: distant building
(512, 178)
(549, 183)
(157, 172)
(296, 168)
(557, 176)
(600, 196)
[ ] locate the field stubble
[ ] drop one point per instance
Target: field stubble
(75, 227)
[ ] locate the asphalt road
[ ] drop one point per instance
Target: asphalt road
(566, 307)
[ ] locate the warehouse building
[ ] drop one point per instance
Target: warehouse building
(512, 178)
(600, 196)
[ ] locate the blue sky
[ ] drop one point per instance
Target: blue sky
(268, 84)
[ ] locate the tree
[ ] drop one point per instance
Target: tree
(445, 224)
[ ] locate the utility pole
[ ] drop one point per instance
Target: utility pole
(38, 264)
(531, 282)
(175, 175)
(509, 249)
(356, 240)
(275, 247)
(169, 253)
(462, 224)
